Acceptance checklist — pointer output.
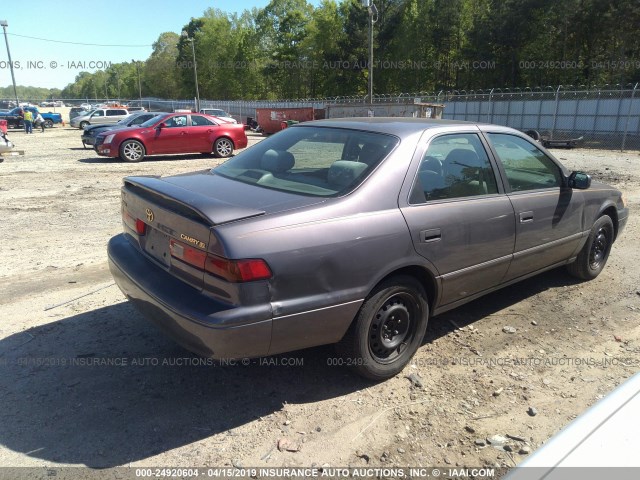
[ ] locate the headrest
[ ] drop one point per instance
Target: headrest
(343, 172)
(371, 153)
(463, 155)
(431, 163)
(277, 161)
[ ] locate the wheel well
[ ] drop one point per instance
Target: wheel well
(423, 276)
(135, 140)
(228, 138)
(613, 213)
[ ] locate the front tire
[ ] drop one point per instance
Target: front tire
(83, 124)
(132, 151)
(593, 256)
(223, 147)
(388, 329)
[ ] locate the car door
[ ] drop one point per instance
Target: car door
(97, 117)
(172, 137)
(459, 217)
(548, 214)
(201, 133)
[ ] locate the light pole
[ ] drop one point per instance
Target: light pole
(13, 78)
(139, 84)
(186, 36)
(373, 12)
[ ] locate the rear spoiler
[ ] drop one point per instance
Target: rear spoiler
(206, 209)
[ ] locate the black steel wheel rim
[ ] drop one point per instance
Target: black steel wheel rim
(393, 327)
(599, 248)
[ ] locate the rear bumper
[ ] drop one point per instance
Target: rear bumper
(195, 321)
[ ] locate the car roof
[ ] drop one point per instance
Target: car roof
(400, 126)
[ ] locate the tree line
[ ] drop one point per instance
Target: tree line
(291, 49)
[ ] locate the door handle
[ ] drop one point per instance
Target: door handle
(526, 217)
(183, 133)
(429, 236)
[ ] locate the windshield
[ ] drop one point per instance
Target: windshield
(152, 121)
(315, 161)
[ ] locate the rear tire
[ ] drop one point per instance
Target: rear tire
(223, 147)
(48, 123)
(595, 252)
(132, 151)
(388, 329)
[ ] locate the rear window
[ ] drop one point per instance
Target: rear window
(314, 161)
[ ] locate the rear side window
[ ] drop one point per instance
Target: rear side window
(314, 161)
(525, 165)
(114, 113)
(454, 166)
(200, 121)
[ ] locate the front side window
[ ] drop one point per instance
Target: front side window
(314, 161)
(178, 121)
(98, 113)
(525, 165)
(454, 166)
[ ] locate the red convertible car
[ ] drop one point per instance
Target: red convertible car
(173, 133)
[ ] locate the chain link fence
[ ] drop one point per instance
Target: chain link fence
(598, 117)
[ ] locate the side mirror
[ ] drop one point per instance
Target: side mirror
(161, 125)
(579, 180)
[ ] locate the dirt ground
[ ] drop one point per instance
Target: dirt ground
(86, 380)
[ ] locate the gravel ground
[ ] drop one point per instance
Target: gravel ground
(86, 380)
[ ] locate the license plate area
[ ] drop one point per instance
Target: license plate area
(156, 244)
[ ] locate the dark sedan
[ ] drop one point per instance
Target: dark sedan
(90, 132)
(355, 232)
(173, 133)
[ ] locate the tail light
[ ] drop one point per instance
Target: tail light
(134, 223)
(187, 254)
(237, 271)
(246, 270)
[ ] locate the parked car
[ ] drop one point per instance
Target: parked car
(136, 109)
(173, 133)
(76, 111)
(90, 132)
(604, 436)
(219, 113)
(355, 232)
(15, 117)
(99, 116)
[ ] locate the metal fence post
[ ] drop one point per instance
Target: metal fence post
(490, 108)
(626, 126)
(555, 112)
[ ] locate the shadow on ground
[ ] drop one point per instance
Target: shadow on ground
(60, 402)
(153, 158)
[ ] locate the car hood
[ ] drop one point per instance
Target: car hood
(221, 200)
(105, 126)
(122, 129)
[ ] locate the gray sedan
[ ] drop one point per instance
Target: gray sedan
(354, 232)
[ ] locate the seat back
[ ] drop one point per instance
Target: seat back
(344, 172)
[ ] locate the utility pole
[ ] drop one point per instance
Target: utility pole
(373, 18)
(186, 36)
(13, 78)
